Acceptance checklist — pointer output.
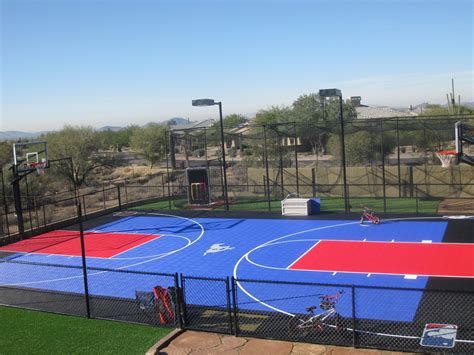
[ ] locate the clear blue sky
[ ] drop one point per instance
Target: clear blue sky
(115, 62)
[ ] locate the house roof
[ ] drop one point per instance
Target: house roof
(193, 125)
(240, 129)
(381, 112)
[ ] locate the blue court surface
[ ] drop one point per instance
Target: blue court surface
(248, 249)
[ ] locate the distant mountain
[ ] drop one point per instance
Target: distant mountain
(15, 135)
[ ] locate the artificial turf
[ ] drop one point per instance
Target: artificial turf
(32, 332)
(328, 205)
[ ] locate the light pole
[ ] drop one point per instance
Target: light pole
(323, 93)
(211, 102)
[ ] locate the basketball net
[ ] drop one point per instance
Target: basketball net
(40, 167)
(446, 157)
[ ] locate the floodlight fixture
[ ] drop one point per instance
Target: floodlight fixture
(330, 93)
(204, 102)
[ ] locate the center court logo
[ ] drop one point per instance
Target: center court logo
(217, 248)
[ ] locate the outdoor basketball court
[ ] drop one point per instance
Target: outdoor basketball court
(405, 253)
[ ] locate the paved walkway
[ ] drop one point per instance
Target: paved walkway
(200, 343)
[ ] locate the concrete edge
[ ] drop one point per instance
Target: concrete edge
(164, 342)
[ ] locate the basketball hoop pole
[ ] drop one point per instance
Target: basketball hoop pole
(17, 198)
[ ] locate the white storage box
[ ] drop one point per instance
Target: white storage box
(296, 207)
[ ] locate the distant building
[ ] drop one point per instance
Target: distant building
(192, 126)
(367, 112)
(355, 101)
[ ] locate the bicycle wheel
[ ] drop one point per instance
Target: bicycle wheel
(376, 220)
(298, 327)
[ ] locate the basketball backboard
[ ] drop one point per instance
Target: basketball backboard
(28, 156)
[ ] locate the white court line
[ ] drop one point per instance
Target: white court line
(66, 255)
(157, 236)
(244, 257)
(126, 266)
(152, 256)
(306, 252)
(236, 266)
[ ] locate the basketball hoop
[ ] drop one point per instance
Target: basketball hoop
(40, 167)
(446, 157)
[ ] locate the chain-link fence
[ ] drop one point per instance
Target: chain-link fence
(121, 295)
(207, 304)
(359, 316)
(385, 160)
(347, 315)
(390, 165)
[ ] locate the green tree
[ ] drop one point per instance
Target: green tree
(5, 153)
(270, 124)
(82, 144)
(273, 116)
(229, 121)
(362, 147)
(318, 119)
(117, 140)
(150, 141)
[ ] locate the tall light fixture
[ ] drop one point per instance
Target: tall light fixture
(211, 102)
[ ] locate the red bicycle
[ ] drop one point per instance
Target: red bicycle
(368, 214)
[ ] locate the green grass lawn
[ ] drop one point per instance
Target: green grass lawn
(32, 332)
(328, 205)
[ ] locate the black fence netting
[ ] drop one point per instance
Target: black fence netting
(22, 284)
(133, 296)
(384, 318)
(207, 304)
(347, 315)
(407, 330)
(390, 164)
(294, 311)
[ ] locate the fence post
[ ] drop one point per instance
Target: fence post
(5, 204)
(266, 167)
(162, 185)
(354, 333)
(28, 204)
(296, 162)
(282, 180)
(119, 197)
(103, 195)
(182, 301)
(234, 303)
(83, 255)
(178, 301)
(313, 181)
(44, 215)
(167, 165)
(398, 161)
(229, 311)
(84, 205)
(126, 190)
(36, 211)
(416, 198)
(382, 151)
